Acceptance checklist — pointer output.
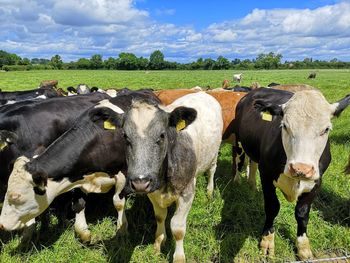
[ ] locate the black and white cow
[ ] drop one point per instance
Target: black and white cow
(30, 126)
(287, 135)
(10, 97)
(91, 156)
(167, 147)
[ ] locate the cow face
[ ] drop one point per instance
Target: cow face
(306, 123)
(149, 132)
(22, 202)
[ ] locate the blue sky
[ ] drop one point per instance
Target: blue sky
(182, 30)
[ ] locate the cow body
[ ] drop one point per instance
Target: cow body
(287, 135)
(166, 149)
(10, 97)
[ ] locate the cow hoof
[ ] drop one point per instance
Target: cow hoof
(303, 246)
(158, 243)
(267, 245)
(85, 236)
(210, 194)
(179, 259)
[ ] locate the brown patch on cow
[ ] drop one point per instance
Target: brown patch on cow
(178, 234)
(159, 219)
(49, 83)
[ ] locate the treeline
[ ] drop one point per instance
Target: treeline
(156, 61)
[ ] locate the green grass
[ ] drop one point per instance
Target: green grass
(224, 229)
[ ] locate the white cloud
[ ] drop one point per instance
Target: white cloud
(75, 28)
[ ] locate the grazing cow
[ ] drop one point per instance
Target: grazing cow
(48, 84)
(10, 97)
(312, 75)
(91, 154)
(225, 84)
(238, 88)
(228, 101)
(28, 126)
(166, 149)
(287, 135)
(238, 77)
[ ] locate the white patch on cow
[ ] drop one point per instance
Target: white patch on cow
(83, 88)
(141, 115)
(21, 204)
(106, 103)
(292, 188)
(307, 115)
(112, 92)
(41, 97)
(303, 246)
(81, 227)
(206, 130)
(10, 102)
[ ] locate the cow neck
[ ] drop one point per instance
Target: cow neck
(60, 157)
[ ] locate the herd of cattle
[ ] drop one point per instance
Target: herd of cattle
(156, 143)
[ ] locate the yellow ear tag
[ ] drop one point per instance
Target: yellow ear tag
(181, 125)
(266, 116)
(108, 125)
(3, 145)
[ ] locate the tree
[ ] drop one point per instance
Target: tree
(208, 63)
(268, 61)
(8, 58)
(222, 63)
(156, 60)
(96, 62)
(83, 63)
(110, 63)
(56, 62)
(127, 61)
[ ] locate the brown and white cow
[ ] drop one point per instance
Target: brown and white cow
(166, 149)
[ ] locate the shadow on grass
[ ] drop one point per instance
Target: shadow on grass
(334, 208)
(242, 215)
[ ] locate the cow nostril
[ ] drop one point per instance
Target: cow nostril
(140, 185)
(1, 226)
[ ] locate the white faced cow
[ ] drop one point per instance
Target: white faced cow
(288, 136)
(166, 149)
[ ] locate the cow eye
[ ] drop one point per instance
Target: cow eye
(325, 131)
(161, 138)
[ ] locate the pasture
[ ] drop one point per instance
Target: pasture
(226, 228)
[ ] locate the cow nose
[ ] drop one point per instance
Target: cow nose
(141, 184)
(302, 170)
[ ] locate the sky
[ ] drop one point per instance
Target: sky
(183, 30)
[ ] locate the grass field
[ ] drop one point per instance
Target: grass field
(224, 229)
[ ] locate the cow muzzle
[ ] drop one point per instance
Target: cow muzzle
(141, 184)
(302, 170)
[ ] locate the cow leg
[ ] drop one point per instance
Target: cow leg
(27, 234)
(211, 172)
(302, 210)
(178, 224)
(80, 226)
(251, 172)
(160, 215)
(119, 204)
(272, 207)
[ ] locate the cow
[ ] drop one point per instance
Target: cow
(10, 97)
(81, 89)
(225, 84)
(30, 126)
(239, 88)
(272, 84)
(312, 75)
(228, 101)
(237, 77)
(166, 148)
(287, 135)
(49, 84)
(91, 155)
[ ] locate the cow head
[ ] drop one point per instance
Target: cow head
(24, 200)
(149, 131)
(306, 123)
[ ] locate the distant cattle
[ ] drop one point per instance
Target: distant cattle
(48, 84)
(287, 135)
(312, 75)
(237, 77)
(91, 156)
(225, 84)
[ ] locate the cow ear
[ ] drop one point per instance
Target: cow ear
(40, 182)
(340, 105)
(94, 89)
(7, 138)
(72, 89)
(268, 108)
(106, 118)
(181, 117)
